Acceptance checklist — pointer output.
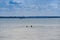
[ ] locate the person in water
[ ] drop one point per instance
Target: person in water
(31, 25)
(26, 26)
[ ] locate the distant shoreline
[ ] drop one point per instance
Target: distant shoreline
(29, 16)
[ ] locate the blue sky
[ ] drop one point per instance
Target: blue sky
(30, 8)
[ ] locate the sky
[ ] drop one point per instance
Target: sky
(30, 8)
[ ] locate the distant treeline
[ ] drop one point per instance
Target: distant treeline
(29, 16)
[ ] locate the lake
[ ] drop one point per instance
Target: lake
(42, 29)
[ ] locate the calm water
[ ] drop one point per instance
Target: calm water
(30, 21)
(43, 28)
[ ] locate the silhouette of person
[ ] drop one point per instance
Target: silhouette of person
(31, 25)
(26, 26)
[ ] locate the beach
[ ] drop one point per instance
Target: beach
(13, 30)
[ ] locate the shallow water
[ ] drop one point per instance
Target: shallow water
(43, 29)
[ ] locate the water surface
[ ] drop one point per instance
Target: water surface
(42, 29)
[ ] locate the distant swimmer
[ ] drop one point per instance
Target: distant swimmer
(31, 25)
(26, 26)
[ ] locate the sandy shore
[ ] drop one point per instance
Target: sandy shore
(42, 33)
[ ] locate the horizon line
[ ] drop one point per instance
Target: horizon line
(29, 16)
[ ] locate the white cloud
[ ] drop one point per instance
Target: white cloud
(18, 1)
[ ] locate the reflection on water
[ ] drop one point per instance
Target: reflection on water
(42, 29)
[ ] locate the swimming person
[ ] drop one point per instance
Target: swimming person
(26, 26)
(31, 25)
